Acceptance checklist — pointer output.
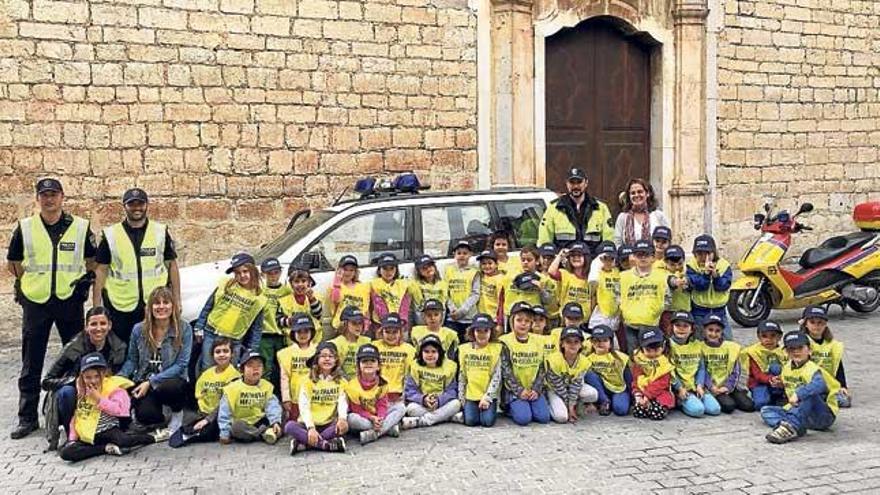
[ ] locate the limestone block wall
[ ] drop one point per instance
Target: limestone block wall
(798, 114)
(232, 114)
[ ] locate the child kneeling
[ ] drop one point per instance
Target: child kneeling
(249, 410)
(431, 387)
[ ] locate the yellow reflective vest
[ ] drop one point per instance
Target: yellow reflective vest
(433, 380)
(292, 360)
(686, 358)
(131, 277)
(209, 387)
(526, 357)
(274, 295)
(38, 264)
(248, 402)
(827, 355)
(610, 367)
(323, 398)
(642, 298)
(792, 378)
(478, 365)
(556, 227)
(710, 298)
(235, 309)
(87, 414)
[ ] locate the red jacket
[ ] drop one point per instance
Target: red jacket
(658, 390)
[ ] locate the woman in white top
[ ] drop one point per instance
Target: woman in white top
(640, 215)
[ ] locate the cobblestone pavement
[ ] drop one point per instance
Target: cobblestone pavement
(598, 455)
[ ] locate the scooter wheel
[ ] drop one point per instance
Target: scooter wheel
(867, 307)
(738, 306)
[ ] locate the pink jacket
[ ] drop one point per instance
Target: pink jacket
(116, 404)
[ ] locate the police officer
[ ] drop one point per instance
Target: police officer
(576, 216)
(134, 257)
(50, 254)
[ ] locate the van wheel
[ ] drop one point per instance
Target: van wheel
(739, 310)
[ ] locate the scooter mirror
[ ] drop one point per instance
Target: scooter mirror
(767, 207)
(759, 218)
(805, 208)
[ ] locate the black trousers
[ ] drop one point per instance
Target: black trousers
(78, 451)
(36, 325)
(124, 321)
(738, 399)
(173, 392)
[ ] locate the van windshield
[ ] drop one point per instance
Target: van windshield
(300, 229)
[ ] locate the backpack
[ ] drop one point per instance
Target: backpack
(50, 413)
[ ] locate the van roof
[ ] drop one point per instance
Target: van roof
(345, 204)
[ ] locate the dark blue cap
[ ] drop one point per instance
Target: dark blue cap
(650, 336)
(674, 253)
(713, 320)
(321, 347)
(548, 249)
(606, 248)
(602, 332)
(134, 194)
(487, 255)
(704, 244)
(540, 311)
(368, 351)
(662, 232)
(624, 251)
(815, 312)
(348, 260)
(352, 313)
(424, 260)
(270, 264)
(301, 321)
(524, 281)
(92, 360)
(571, 332)
(769, 326)
(239, 259)
(462, 243)
(432, 305)
(48, 184)
(386, 259)
(573, 310)
(521, 307)
(392, 320)
(643, 246)
(482, 320)
(576, 173)
(795, 339)
(431, 339)
(682, 316)
(249, 355)
(578, 247)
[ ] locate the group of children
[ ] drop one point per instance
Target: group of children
(532, 337)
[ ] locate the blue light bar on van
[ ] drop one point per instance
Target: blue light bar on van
(408, 182)
(365, 186)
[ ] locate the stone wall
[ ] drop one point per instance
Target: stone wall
(232, 114)
(798, 114)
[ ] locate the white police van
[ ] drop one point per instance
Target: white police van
(387, 216)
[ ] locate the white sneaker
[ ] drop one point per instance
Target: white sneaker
(112, 449)
(161, 435)
(176, 422)
(368, 436)
(458, 418)
(409, 423)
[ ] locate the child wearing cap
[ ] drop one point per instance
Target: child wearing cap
(573, 283)
(673, 263)
(101, 400)
(464, 289)
(764, 360)
(234, 310)
(661, 238)
(527, 286)
(293, 361)
(825, 350)
(490, 282)
(689, 376)
(371, 413)
(644, 294)
(347, 290)
(609, 373)
(652, 377)
(548, 254)
(723, 368)
(249, 410)
(302, 300)
(396, 355)
(427, 284)
(350, 340)
(606, 289)
(624, 257)
(323, 405)
(523, 370)
(389, 292)
(709, 278)
(431, 387)
(811, 392)
(432, 315)
(480, 378)
(274, 333)
(565, 377)
(572, 316)
(209, 389)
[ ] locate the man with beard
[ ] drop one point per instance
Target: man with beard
(134, 257)
(576, 216)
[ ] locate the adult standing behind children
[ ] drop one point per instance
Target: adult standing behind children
(576, 216)
(640, 215)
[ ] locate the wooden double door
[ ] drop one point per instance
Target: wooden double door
(598, 107)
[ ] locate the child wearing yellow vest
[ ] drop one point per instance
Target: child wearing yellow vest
(527, 286)
(249, 410)
(389, 292)
(523, 369)
(431, 390)
(464, 289)
(689, 376)
(609, 373)
(432, 316)
(480, 376)
(644, 294)
(301, 299)
(347, 290)
(293, 359)
(427, 284)
(661, 238)
(274, 334)
(347, 343)
(673, 263)
(652, 377)
(490, 282)
(396, 354)
(811, 393)
(548, 254)
(709, 278)
(723, 368)
(371, 412)
(566, 368)
(825, 351)
(606, 288)
(101, 400)
(499, 242)
(322, 404)
(209, 390)
(573, 285)
(234, 310)
(572, 316)
(764, 360)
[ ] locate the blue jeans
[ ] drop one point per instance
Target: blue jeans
(474, 416)
(765, 395)
(810, 414)
(208, 354)
(524, 412)
(696, 407)
(619, 401)
(700, 314)
(843, 400)
(65, 400)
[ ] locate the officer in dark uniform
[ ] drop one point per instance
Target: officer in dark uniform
(50, 254)
(134, 257)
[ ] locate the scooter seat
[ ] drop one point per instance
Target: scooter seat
(833, 247)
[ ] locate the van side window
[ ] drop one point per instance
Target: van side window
(442, 226)
(521, 218)
(366, 237)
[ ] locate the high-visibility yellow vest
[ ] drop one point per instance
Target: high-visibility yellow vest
(710, 298)
(289, 306)
(574, 289)
(347, 352)
(827, 355)
(448, 337)
(209, 387)
(87, 414)
(763, 357)
(127, 267)
(607, 291)
(248, 402)
(367, 399)
(323, 398)
(557, 364)
(792, 378)
(293, 360)
(642, 297)
(525, 357)
(274, 295)
(235, 309)
(478, 365)
(490, 289)
(610, 368)
(421, 291)
(721, 360)
(392, 294)
(459, 282)
(433, 380)
(686, 358)
(394, 363)
(69, 264)
(652, 369)
(357, 295)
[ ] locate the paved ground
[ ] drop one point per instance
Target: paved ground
(598, 455)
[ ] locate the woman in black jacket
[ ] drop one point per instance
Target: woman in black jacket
(96, 337)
